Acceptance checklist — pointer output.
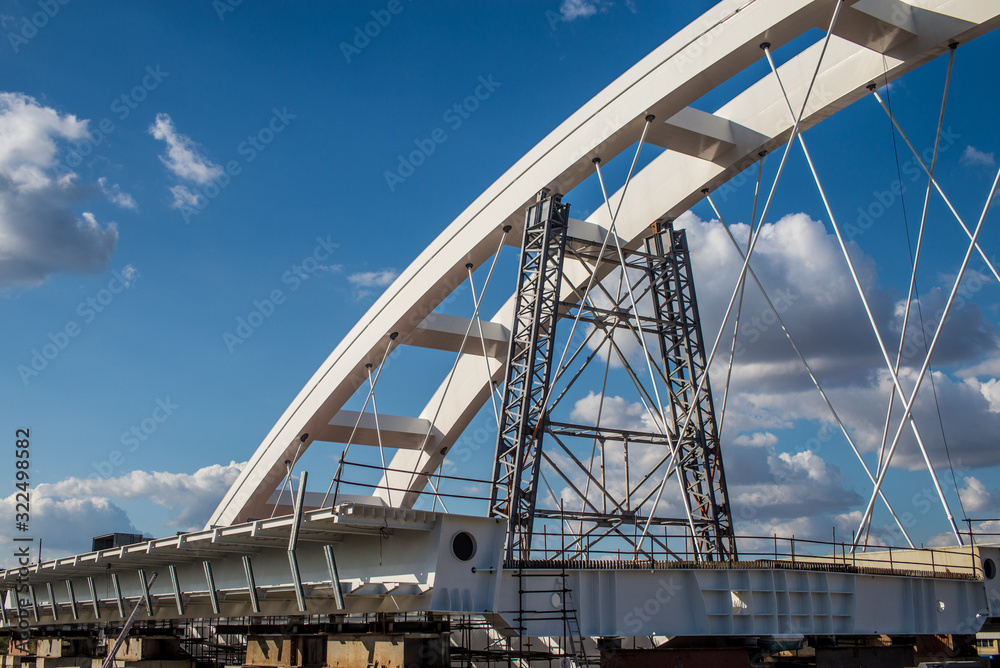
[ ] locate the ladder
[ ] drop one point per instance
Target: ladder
(572, 649)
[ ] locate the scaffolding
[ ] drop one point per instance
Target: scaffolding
(654, 305)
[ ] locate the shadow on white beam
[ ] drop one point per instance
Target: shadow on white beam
(446, 332)
(400, 432)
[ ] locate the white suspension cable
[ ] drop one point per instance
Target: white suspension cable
(739, 305)
(378, 435)
(625, 279)
(927, 360)
(937, 186)
(812, 375)
(916, 261)
(642, 340)
(482, 336)
(357, 423)
(743, 271)
(864, 300)
(600, 256)
(458, 356)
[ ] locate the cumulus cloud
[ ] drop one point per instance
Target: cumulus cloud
(973, 157)
(614, 411)
(183, 196)
(39, 230)
(116, 195)
(769, 490)
(991, 392)
(799, 484)
(194, 495)
(757, 439)
(977, 498)
(183, 157)
(803, 269)
(67, 514)
(65, 525)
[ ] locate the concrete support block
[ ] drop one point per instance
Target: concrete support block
(388, 651)
(303, 651)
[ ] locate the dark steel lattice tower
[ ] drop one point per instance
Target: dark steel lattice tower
(699, 458)
(669, 314)
(529, 365)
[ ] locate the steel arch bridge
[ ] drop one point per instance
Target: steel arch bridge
(867, 41)
(319, 557)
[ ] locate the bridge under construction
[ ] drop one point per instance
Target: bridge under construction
(584, 541)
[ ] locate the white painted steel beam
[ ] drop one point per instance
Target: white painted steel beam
(446, 332)
(391, 560)
(702, 135)
(753, 601)
(396, 431)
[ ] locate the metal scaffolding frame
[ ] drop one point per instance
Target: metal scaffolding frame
(682, 347)
(661, 305)
(515, 473)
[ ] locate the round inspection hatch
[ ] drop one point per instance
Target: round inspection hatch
(463, 546)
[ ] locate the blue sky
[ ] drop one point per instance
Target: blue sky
(122, 348)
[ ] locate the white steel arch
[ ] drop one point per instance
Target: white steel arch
(873, 40)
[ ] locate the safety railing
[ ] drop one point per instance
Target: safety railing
(669, 545)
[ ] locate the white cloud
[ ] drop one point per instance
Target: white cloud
(195, 495)
(39, 232)
(28, 135)
(986, 367)
(64, 525)
(765, 485)
(991, 391)
(183, 197)
(767, 488)
(116, 195)
(803, 269)
(756, 439)
(615, 412)
(67, 514)
(986, 533)
(973, 157)
(570, 10)
(365, 282)
(183, 156)
(976, 498)
(373, 279)
(129, 274)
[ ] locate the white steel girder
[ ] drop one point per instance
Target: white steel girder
(392, 560)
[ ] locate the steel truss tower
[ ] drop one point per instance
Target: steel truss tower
(529, 365)
(682, 348)
(661, 308)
